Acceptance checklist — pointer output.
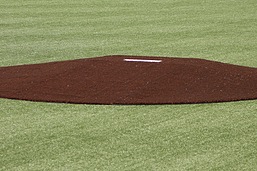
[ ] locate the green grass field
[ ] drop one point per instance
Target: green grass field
(48, 136)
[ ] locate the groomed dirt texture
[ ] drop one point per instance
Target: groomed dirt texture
(112, 80)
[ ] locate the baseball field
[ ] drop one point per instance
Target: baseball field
(57, 136)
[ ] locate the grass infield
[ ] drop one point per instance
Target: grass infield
(46, 136)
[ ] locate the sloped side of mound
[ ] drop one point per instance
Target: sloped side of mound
(129, 80)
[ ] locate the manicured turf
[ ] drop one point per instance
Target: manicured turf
(45, 136)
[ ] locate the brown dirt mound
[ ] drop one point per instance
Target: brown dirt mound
(129, 80)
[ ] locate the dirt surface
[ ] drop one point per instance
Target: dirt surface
(113, 80)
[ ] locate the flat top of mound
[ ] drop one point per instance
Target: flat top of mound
(129, 80)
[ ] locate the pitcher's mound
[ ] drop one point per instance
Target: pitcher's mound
(129, 80)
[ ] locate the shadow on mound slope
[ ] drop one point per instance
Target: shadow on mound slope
(129, 80)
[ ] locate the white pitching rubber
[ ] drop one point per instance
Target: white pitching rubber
(141, 60)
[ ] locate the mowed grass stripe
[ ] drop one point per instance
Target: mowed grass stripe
(44, 136)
